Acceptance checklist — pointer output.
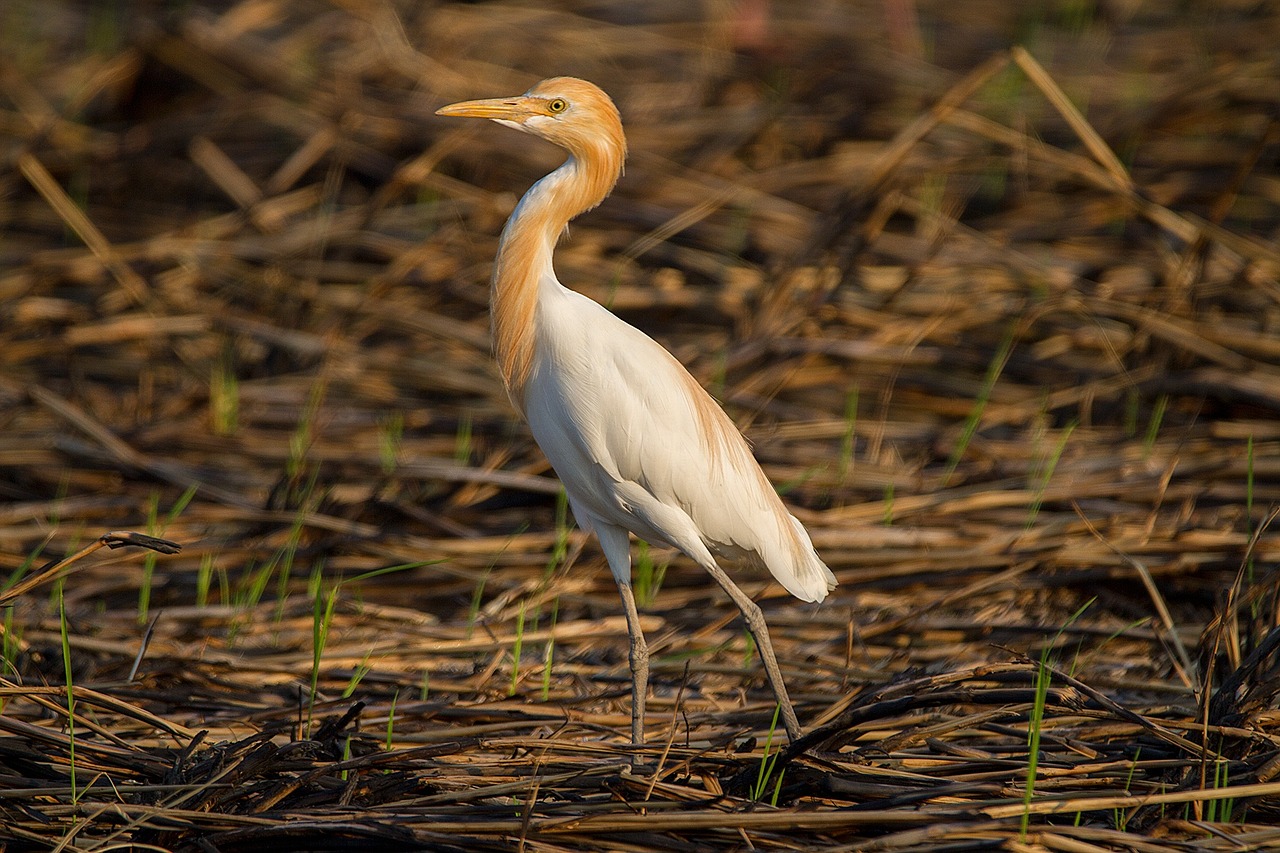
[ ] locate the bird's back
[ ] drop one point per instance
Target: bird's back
(639, 444)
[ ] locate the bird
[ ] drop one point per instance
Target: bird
(639, 445)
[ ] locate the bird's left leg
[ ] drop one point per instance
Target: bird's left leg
(639, 658)
(760, 631)
(617, 550)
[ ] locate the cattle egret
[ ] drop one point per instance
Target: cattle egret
(637, 442)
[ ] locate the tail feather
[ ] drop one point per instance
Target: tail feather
(802, 571)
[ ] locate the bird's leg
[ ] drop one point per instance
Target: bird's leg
(639, 658)
(615, 542)
(756, 625)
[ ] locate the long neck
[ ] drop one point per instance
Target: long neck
(524, 254)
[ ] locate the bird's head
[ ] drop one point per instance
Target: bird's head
(572, 113)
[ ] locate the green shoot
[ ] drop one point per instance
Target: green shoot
(719, 375)
(477, 595)
(462, 440)
(1036, 718)
(149, 561)
(648, 575)
(1120, 816)
(1033, 738)
(697, 652)
(615, 281)
(559, 553)
(180, 505)
(561, 548)
(777, 788)
(1132, 404)
(284, 558)
(767, 761)
(204, 576)
(321, 621)
(994, 369)
(300, 441)
(516, 649)
(1220, 810)
(315, 580)
(9, 650)
(155, 528)
(224, 398)
(1222, 779)
(548, 653)
(73, 543)
(71, 696)
(1153, 426)
(357, 675)
(55, 511)
(390, 437)
(391, 720)
(255, 579)
(850, 433)
(886, 518)
(425, 691)
(322, 609)
(224, 585)
(1046, 474)
(252, 583)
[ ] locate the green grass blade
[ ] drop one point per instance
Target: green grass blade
(994, 369)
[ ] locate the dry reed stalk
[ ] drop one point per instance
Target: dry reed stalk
(1025, 402)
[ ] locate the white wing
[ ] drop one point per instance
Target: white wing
(638, 444)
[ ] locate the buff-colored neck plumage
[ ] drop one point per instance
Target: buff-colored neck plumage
(591, 131)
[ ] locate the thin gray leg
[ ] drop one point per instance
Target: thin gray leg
(615, 543)
(756, 625)
(639, 664)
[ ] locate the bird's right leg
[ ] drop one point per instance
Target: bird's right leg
(617, 550)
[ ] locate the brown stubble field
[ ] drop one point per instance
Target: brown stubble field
(993, 288)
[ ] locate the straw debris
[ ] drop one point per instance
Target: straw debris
(994, 292)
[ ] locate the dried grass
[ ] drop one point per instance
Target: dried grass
(1001, 323)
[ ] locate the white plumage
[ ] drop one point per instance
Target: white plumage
(618, 419)
(638, 444)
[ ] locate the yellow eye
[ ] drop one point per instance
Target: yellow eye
(557, 105)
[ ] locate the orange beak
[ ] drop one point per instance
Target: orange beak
(502, 109)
